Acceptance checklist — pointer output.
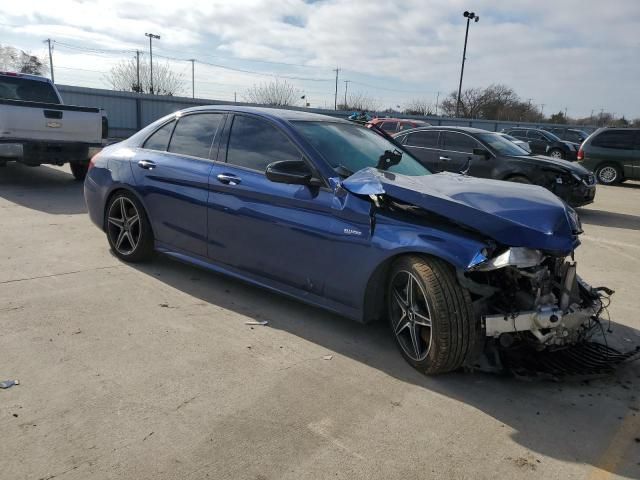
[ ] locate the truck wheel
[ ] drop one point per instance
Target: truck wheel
(430, 314)
(128, 229)
(608, 174)
(79, 169)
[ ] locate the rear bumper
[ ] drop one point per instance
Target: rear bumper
(39, 152)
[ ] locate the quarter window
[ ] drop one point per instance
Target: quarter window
(618, 139)
(458, 142)
(254, 144)
(160, 139)
(428, 139)
(194, 134)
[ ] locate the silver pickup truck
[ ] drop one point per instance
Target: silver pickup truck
(36, 128)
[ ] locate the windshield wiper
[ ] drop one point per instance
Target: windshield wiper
(388, 159)
(343, 171)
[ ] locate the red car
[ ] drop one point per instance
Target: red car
(394, 125)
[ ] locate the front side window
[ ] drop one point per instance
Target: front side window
(160, 139)
(427, 139)
(518, 133)
(535, 135)
(389, 126)
(458, 142)
(194, 134)
(254, 144)
(618, 139)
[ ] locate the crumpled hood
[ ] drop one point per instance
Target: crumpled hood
(513, 214)
(558, 163)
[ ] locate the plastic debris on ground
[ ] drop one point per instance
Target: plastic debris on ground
(9, 383)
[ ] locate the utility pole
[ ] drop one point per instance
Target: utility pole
(48, 41)
(151, 37)
(193, 77)
(469, 16)
(542, 109)
(235, 98)
(335, 99)
(437, 100)
(591, 116)
(346, 86)
(565, 114)
(138, 89)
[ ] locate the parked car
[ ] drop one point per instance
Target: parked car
(36, 127)
(486, 154)
(545, 143)
(342, 217)
(521, 143)
(613, 154)
(394, 125)
(573, 135)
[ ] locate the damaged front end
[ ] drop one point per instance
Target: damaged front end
(525, 296)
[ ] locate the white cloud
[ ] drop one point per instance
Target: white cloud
(575, 54)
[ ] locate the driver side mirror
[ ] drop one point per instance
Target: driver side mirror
(482, 152)
(295, 172)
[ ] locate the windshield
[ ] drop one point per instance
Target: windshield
(349, 147)
(501, 145)
(16, 88)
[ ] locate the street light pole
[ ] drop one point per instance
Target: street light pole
(469, 16)
(193, 77)
(151, 37)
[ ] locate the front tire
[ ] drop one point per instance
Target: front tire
(608, 174)
(128, 229)
(79, 170)
(430, 314)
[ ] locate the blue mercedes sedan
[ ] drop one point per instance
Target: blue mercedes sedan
(341, 216)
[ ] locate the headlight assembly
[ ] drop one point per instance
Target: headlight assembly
(518, 257)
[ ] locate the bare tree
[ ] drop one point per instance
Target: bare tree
(124, 76)
(277, 93)
(360, 102)
(419, 106)
(16, 60)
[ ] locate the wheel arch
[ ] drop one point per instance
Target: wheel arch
(124, 188)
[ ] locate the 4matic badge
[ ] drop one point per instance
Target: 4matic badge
(352, 231)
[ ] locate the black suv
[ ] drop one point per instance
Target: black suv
(573, 135)
(488, 155)
(545, 143)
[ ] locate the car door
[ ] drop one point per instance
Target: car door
(457, 151)
(171, 171)
(423, 144)
(538, 142)
(272, 230)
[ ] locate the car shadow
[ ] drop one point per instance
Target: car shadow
(45, 188)
(551, 419)
(609, 219)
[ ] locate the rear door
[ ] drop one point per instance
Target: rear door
(172, 175)
(423, 145)
(457, 150)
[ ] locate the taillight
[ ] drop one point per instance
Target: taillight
(580, 156)
(92, 162)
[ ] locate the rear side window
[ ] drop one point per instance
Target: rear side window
(194, 134)
(427, 139)
(618, 139)
(518, 133)
(536, 135)
(389, 126)
(459, 142)
(254, 144)
(160, 139)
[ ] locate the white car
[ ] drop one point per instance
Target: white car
(36, 128)
(521, 143)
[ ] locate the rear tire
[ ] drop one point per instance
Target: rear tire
(608, 174)
(79, 170)
(434, 325)
(128, 229)
(556, 153)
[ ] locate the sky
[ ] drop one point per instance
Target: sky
(582, 55)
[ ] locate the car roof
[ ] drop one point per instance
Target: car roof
(276, 113)
(451, 128)
(393, 119)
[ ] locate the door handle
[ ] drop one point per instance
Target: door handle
(228, 179)
(146, 164)
(444, 159)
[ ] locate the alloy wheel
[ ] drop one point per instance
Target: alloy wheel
(123, 225)
(556, 154)
(410, 315)
(607, 174)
